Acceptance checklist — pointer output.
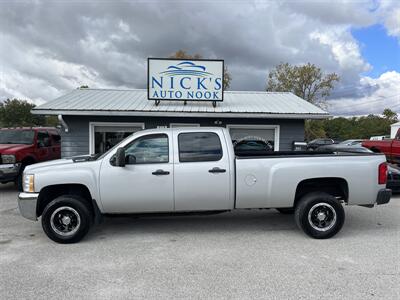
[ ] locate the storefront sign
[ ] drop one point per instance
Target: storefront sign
(186, 80)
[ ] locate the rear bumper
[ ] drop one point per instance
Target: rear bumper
(9, 172)
(383, 196)
(27, 205)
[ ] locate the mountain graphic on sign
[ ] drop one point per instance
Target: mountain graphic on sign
(186, 68)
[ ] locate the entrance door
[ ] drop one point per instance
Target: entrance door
(145, 184)
(105, 135)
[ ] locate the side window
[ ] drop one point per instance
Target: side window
(55, 139)
(199, 146)
(148, 149)
(43, 139)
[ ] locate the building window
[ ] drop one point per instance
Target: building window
(104, 136)
(267, 135)
(199, 146)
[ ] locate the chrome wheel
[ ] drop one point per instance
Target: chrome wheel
(322, 216)
(65, 221)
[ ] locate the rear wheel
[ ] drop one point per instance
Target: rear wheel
(319, 215)
(67, 219)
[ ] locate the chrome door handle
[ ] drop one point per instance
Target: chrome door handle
(217, 170)
(160, 172)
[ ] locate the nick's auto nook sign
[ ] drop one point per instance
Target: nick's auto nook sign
(185, 80)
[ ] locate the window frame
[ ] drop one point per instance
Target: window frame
(44, 132)
(92, 126)
(147, 135)
(201, 161)
(276, 129)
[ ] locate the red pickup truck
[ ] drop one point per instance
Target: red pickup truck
(391, 148)
(23, 146)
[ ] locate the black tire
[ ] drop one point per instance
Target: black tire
(286, 210)
(312, 208)
(77, 214)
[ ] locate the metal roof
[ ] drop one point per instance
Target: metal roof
(240, 104)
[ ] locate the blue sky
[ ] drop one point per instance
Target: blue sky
(378, 49)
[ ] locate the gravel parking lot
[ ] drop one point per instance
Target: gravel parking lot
(240, 255)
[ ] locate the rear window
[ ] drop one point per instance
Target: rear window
(199, 146)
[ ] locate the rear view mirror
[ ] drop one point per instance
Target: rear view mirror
(120, 157)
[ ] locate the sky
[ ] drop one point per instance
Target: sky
(48, 48)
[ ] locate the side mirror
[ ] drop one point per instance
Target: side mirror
(120, 157)
(130, 159)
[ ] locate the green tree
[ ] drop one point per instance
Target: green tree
(390, 115)
(314, 129)
(306, 81)
(17, 113)
(182, 54)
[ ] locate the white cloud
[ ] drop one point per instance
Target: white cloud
(385, 94)
(47, 48)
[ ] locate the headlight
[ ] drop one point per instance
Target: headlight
(8, 159)
(29, 183)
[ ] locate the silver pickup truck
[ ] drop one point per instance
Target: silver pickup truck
(196, 170)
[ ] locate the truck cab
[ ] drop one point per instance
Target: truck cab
(23, 146)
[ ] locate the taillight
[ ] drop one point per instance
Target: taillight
(382, 176)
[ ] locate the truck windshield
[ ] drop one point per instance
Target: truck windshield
(17, 137)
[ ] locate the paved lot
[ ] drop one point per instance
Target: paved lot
(239, 255)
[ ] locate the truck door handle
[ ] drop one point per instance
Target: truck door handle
(217, 170)
(160, 172)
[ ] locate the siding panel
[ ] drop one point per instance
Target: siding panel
(76, 141)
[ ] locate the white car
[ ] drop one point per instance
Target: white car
(185, 170)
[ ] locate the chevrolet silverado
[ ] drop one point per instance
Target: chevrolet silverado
(195, 170)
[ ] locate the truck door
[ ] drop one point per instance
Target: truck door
(201, 169)
(43, 146)
(55, 145)
(146, 183)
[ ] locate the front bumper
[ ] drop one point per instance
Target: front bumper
(383, 196)
(9, 172)
(27, 205)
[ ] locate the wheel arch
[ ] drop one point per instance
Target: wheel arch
(335, 186)
(49, 193)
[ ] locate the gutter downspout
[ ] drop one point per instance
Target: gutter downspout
(60, 118)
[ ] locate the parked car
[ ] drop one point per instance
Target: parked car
(345, 148)
(315, 144)
(187, 170)
(390, 147)
(355, 142)
(252, 147)
(393, 181)
(20, 147)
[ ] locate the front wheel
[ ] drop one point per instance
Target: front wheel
(319, 215)
(66, 219)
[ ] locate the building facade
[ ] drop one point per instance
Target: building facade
(94, 120)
